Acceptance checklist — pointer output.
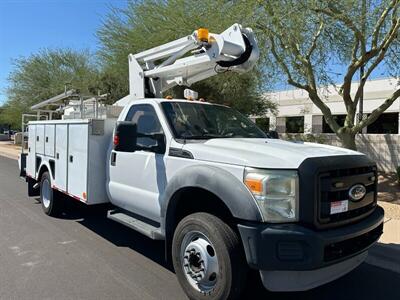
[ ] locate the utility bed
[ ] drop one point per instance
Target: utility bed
(75, 152)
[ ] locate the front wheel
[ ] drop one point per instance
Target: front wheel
(208, 258)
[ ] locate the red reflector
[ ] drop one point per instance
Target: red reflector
(116, 140)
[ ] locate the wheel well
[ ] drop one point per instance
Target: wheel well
(191, 200)
(42, 170)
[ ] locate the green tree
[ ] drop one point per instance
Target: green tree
(307, 38)
(146, 24)
(43, 75)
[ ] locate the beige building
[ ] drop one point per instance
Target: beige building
(297, 114)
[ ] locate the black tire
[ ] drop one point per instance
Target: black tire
(49, 198)
(232, 266)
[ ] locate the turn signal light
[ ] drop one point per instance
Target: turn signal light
(254, 185)
(202, 35)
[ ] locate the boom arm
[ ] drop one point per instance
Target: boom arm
(234, 49)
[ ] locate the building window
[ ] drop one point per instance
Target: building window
(263, 124)
(386, 123)
(294, 124)
(338, 118)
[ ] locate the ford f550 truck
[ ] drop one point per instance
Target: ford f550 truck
(223, 196)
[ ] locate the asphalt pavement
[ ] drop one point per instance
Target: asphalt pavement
(83, 255)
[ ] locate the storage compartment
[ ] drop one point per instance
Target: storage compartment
(77, 149)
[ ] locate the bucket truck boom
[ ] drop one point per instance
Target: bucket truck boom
(153, 71)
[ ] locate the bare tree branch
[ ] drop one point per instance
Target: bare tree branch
(305, 66)
(285, 68)
(382, 18)
(312, 91)
(377, 112)
(345, 89)
(339, 16)
(355, 49)
(390, 36)
(314, 40)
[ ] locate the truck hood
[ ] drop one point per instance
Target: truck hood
(262, 153)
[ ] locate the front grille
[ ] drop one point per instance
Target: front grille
(352, 246)
(334, 187)
(351, 171)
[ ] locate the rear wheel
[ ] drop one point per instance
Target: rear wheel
(208, 258)
(51, 201)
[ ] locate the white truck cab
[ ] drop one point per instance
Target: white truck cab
(204, 178)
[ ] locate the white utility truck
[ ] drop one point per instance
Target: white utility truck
(202, 177)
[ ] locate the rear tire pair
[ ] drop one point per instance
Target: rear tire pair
(50, 199)
(208, 258)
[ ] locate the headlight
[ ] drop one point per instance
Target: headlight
(276, 192)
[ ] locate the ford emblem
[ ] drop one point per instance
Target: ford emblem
(357, 192)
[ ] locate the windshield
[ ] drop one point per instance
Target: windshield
(191, 120)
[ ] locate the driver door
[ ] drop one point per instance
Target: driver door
(138, 178)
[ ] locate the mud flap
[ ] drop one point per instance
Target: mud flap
(22, 164)
(33, 188)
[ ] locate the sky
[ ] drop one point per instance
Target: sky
(26, 26)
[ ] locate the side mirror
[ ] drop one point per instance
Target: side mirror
(160, 139)
(125, 137)
(272, 134)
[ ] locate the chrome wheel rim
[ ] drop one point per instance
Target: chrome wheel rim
(199, 261)
(46, 193)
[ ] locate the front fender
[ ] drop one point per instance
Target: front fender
(221, 183)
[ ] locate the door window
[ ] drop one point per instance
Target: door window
(147, 122)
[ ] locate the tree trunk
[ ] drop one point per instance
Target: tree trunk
(348, 140)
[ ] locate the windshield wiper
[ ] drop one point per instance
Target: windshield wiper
(204, 136)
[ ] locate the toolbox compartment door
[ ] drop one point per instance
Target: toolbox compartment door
(39, 139)
(49, 131)
(78, 160)
(61, 156)
(31, 158)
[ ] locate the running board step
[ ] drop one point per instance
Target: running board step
(128, 219)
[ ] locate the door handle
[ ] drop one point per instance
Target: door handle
(71, 159)
(47, 139)
(113, 158)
